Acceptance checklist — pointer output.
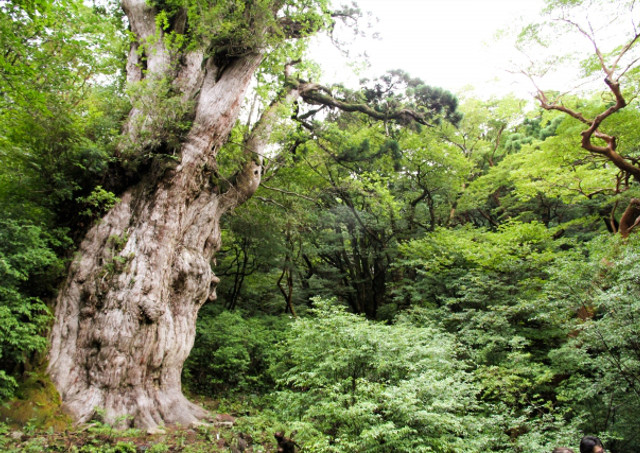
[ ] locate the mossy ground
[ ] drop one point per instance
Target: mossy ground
(33, 422)
(99, 438)
(37, 403)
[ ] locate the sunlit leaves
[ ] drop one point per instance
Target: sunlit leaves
(548, 162)
(367, 386)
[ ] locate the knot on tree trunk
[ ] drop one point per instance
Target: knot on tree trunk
(151, 310)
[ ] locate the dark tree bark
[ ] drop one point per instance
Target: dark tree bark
(363, 263)
(241, 264)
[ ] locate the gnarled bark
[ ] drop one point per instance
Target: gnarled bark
(125, 317)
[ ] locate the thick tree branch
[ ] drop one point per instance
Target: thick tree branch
(141, 18)
(606, 144)
(246, 181)
(248, 178)
(609, 150)
(313, 94)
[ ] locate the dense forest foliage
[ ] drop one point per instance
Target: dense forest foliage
(463, 278)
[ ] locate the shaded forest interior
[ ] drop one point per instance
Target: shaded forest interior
(390, 267)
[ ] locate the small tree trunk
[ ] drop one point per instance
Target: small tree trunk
(630, 218)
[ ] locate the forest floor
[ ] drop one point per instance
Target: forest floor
(34, 423)
(99, 438)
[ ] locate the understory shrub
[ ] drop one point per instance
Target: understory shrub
(231, 353)
(28, 268)
(349, 384)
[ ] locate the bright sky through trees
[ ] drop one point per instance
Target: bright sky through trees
(448, 43)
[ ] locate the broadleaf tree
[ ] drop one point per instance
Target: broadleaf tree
(54, 148)
(611, 35)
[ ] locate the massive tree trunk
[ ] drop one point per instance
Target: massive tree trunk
(125, 317)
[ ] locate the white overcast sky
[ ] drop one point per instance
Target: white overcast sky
(447, 43)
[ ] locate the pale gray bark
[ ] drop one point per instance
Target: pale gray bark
(125, 317)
